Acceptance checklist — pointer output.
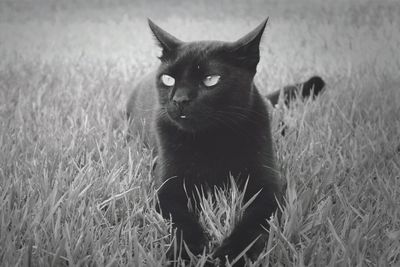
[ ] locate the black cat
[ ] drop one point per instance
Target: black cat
(209, 121)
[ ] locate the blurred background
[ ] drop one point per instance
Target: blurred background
(334, 39)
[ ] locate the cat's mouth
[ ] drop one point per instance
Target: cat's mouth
(191, 122)
(188, 119)
(177, 113)
(183, 120)
(178, 116)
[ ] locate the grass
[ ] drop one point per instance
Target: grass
(75, 192)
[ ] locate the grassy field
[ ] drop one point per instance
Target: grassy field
(74, 192)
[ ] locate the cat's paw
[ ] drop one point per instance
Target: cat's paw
(236, 250)
(228, 252)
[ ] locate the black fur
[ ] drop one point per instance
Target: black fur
(312, 87)
(224, 131)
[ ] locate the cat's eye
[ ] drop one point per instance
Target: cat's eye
(167, 80)
(211, 80)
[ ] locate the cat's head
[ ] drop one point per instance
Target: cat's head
(206, 84)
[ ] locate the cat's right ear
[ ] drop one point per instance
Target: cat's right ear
(166, 41)
(247, 48)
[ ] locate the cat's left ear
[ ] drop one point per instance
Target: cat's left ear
(166, 41)
(247, 48)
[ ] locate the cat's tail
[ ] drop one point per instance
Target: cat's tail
(312, 87)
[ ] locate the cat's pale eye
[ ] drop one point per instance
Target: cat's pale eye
(211, 80)
(167, 80)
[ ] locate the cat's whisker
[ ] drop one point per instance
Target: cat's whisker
(231, 127)
(222, 121)
(239, 115)
(162, 113)
(239, 118)
(233, 124)
(247, 118)
(248, 110)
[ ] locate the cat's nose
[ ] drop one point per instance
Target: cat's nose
(181, 104)
(181, 100)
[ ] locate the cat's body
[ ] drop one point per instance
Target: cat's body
(208, 121)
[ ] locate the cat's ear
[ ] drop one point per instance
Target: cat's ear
(166, 41)
(247, 48)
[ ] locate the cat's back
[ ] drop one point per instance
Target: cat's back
(141, 106)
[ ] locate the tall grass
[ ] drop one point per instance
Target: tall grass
(75, 191)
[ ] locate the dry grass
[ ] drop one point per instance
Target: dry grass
(75, 192)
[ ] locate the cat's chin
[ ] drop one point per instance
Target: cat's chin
(185, 124)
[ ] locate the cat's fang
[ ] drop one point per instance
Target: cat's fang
(183, 116)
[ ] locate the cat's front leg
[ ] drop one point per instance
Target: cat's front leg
(252, 227)
(238, 241)
(173, 204)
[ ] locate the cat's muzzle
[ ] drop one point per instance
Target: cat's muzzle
(180, 107)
